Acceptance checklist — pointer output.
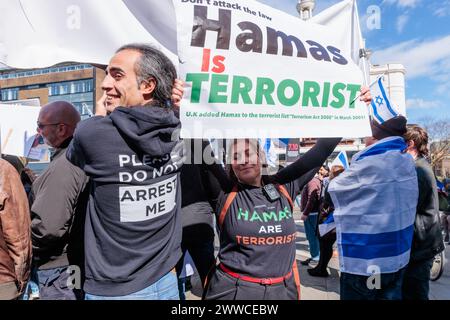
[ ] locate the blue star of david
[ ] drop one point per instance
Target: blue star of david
(379, 100)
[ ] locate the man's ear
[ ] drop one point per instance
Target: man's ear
(411, 144)
(148, 86)
(63, 130)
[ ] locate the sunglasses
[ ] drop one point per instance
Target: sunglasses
(43, 125)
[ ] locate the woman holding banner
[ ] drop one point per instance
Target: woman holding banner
(256, 224)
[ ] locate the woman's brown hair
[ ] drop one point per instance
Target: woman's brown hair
(420, 138)
(335, 171)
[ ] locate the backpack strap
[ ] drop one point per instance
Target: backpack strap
(285, 193)
(227, 205)
(296, 277)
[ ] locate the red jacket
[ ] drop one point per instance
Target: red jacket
(310, 199)
(15, 233)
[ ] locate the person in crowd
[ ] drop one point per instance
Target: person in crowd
(255, 220)
(326, 229)
(15, 236)
(58, 204)
(133, 227)
(197, 214)
(15, 161)
(375, 204)
(325, 180)
(447, 188)
(445, 216)
(27, 176)
(310, 202)
(427, 239)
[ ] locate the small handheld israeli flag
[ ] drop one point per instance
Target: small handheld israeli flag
(340, 160)
(381, 107)
(440, 186)
(327, 226)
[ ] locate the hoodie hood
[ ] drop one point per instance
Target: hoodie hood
(148, 129)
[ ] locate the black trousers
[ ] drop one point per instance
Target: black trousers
(416, 283)
(199, 241)
(326, 250)
(222, 286)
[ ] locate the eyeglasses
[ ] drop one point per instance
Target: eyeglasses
(43, 125)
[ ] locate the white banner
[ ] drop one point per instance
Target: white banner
(18, 131)
(36, 34)
(253, 71)
(45, 32)
(343, 18)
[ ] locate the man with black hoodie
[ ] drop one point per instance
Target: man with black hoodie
(132, 155)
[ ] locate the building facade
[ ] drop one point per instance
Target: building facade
(79, 84)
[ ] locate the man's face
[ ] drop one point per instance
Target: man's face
(323, 172)
(121, 85)
(48, 129)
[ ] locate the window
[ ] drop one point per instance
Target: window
(10, 94)
(71, 87)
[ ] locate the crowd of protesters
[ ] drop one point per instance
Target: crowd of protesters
(123, 200)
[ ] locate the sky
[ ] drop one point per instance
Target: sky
(415, 33)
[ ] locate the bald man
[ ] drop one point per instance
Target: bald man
(59, 197)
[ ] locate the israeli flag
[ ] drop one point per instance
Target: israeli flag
(440, 186)
(375, 202)
(328, 225)
(381, 107)
(340, 160)
(269, 149)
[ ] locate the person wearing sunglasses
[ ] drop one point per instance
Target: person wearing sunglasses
(58, 201)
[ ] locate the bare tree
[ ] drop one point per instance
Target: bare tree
(439, 138)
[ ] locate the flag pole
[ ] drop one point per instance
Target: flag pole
(362, 49)
(370, 86)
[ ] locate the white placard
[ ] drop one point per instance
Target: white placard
(18, 131)
(253, 71)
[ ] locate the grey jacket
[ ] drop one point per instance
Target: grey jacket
(59, 197)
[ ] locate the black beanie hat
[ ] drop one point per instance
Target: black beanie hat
(392, 127)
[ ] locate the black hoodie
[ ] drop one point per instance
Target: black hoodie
(133, 227)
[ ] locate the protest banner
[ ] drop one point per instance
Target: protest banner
(47, 32)
(18, 132)
(252, 71)
(55, 31)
